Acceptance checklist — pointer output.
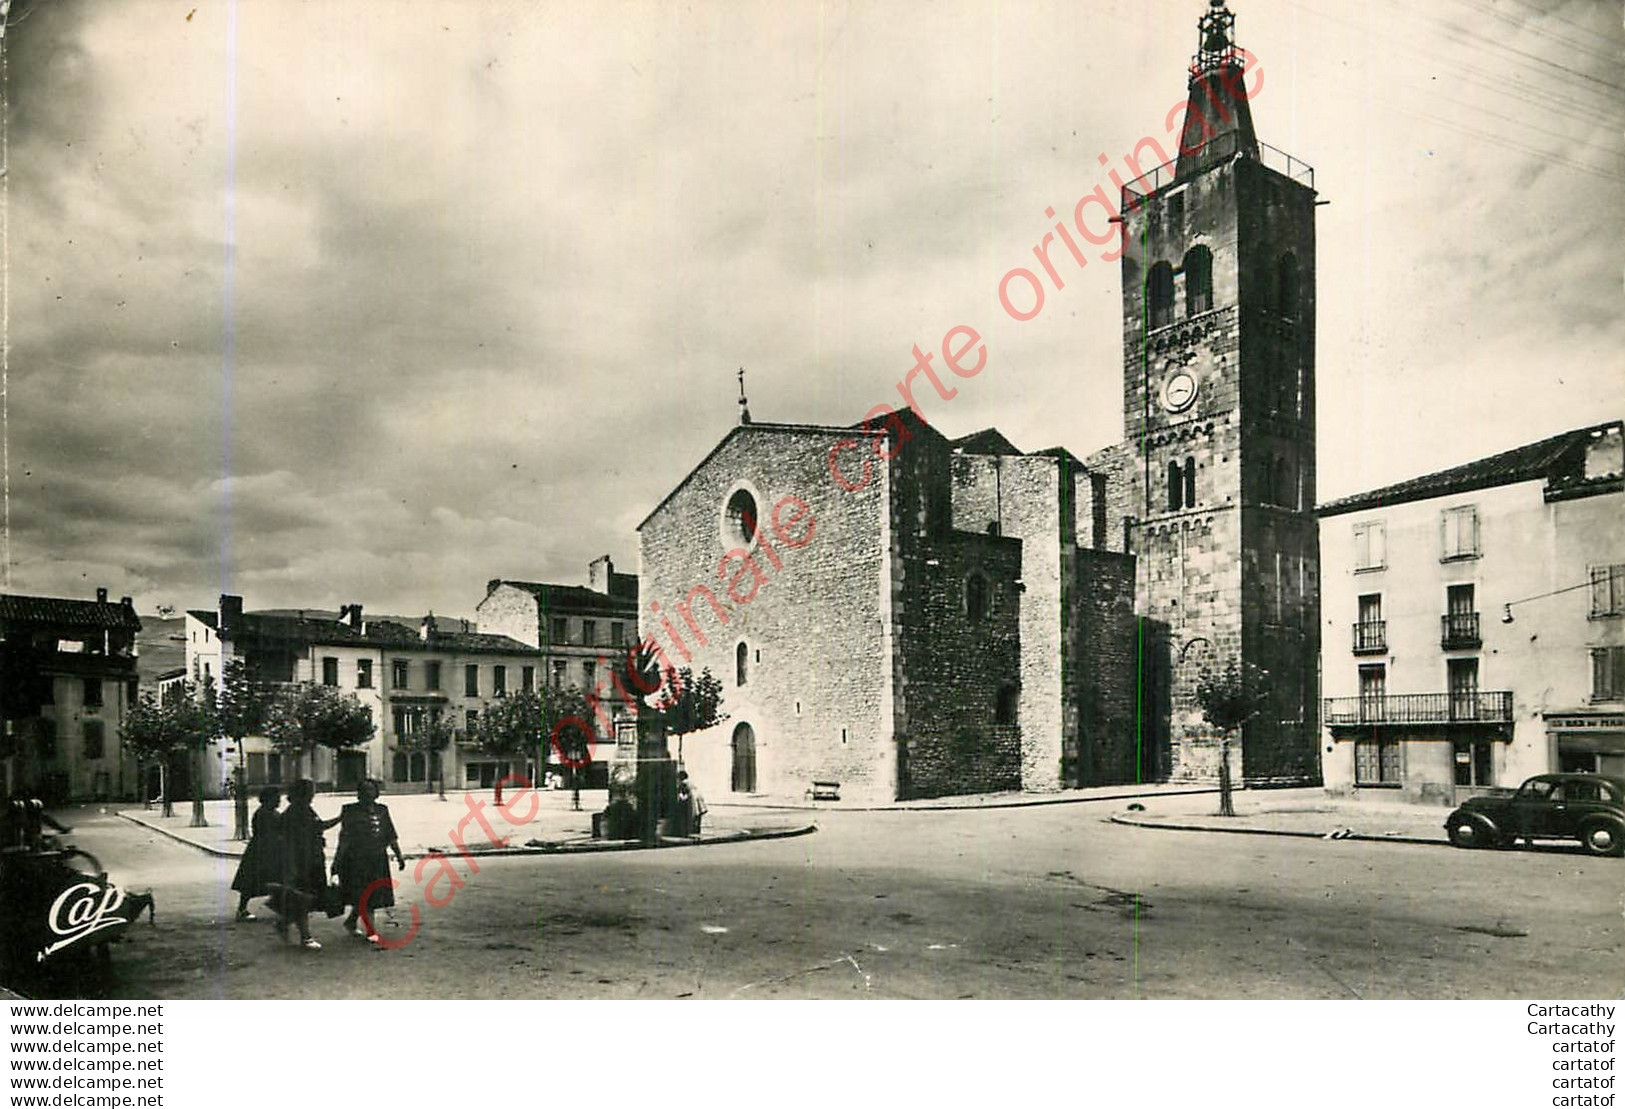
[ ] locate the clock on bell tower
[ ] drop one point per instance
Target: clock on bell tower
(1219, 424)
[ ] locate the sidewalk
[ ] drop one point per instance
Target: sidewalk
(1309, 813)
(1009, 800)
(425, 824)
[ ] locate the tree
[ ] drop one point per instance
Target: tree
(238, 710)
(693, 705)
(433, 737)
(159, 730)
(1229, 698)
(571, 725)
(512, 725)
(308, 716)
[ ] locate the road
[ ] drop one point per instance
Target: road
(1040, 902)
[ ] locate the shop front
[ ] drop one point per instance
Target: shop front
(1587, 742)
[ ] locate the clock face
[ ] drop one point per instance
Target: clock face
(1179, 392)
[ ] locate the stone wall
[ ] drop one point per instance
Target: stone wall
(1102, 640)
(1029, 497)
(816, 633)
(957, 667)
(513, 612)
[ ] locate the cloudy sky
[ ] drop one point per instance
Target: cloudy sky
(346, 300)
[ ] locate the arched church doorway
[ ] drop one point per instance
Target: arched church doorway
(744, 752)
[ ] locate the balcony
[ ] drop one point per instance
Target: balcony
(1371, 637)
(1421, 708)
(1221, 146)
(1458, 630)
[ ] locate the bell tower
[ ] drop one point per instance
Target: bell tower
(1219, 425)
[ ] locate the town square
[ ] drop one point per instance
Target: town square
(812, 501)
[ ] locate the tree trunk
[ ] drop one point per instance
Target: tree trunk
(1227, 805)
(167, 804)
(200, 762)
(239, 777)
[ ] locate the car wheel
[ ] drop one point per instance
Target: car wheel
(1604, 838)
(1469, 833)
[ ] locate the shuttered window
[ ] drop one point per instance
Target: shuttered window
(1608, 674)
(1370, 543)
(1607, 590)
(1459, 527)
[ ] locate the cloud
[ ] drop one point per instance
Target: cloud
(487, 270)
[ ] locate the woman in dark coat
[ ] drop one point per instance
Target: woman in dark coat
(304, 869)
(260, 867)
(365, 832)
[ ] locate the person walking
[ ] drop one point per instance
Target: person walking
(303, 863)
(261, 864)
(365, 833)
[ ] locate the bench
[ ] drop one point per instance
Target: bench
(825, 791)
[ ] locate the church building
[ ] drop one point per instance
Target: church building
(895, 614)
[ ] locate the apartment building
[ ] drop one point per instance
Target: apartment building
(1474, 623)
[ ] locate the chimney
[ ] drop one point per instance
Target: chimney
(598, 574)
(351, 614)
(428, 630)
(231, 613)
(101, 596)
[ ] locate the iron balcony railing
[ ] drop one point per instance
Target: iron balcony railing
(1459, 629)
(1477, 707)
(1371, 637)
(1223, 145)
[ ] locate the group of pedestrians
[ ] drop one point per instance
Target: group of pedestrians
(286, 861)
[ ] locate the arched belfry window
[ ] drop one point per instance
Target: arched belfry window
(1283, 486)
(976, 597)
(1287, 289)
(1190, 483)
(1176, 487)
(1282, 386)
(1159, 289)
(1007, 705)
(741, 657)
(1198, 280)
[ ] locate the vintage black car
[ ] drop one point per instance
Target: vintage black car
(60, 909)
(1585, 807)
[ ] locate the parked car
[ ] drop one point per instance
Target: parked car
(1585, 807)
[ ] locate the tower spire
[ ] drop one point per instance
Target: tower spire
(744, 405)
(1218, 120)
(1216, 41)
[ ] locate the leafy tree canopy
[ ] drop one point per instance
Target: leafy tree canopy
(1232, 696)
(311, 715)
(155, 729)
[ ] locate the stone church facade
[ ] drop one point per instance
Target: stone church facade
(927, 626)
(959, 616)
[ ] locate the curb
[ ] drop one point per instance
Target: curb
(1360, 836)
(567, 847)
(837, 807)
(590, 847)
(178, 838)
